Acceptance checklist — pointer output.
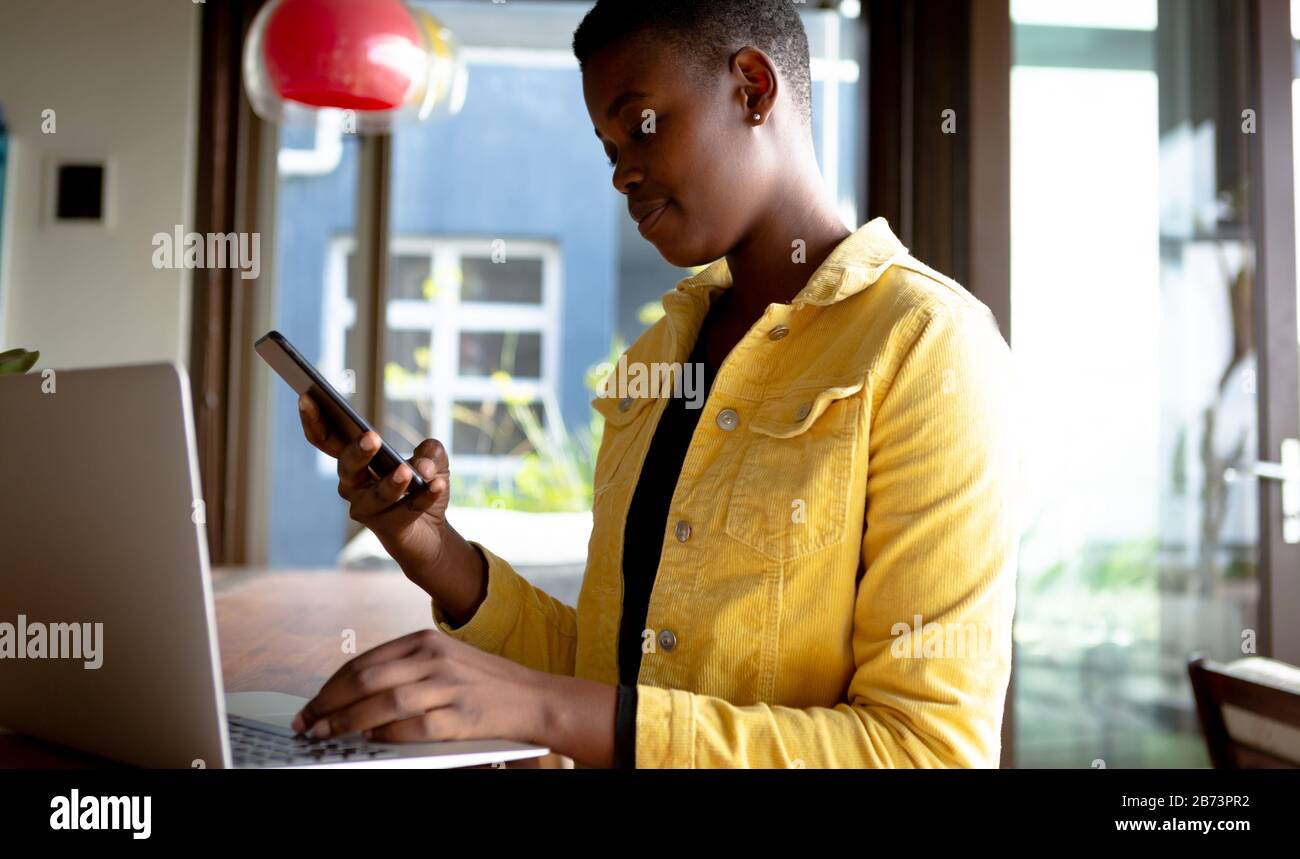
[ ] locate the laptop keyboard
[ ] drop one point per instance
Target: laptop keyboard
(257, 744)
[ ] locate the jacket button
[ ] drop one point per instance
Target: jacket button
(667, 639)
(625, 404)
(803, 411)
(727, 419)
(778, 332)
(683, 532)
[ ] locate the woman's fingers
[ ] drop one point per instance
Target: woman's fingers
(369, 497)
(381, 494)
(354, 464)
(437, 487)
(315, 428)
(433, 450)
(375, 670)
(412, 705)
(431, 462)
(394, 514)
(413, 696)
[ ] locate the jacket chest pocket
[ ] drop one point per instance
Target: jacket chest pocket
(790, 495)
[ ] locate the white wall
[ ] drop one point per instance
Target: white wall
(121, 76)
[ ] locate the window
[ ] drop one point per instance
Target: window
(469, 327)
(1131, 276)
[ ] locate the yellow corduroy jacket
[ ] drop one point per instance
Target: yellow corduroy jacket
(837, 579)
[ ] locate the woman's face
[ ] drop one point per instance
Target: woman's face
(693, 183)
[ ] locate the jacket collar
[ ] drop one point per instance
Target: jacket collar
(856, 263)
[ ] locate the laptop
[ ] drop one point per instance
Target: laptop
(108, 639)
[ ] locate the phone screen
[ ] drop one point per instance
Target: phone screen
(289, 364)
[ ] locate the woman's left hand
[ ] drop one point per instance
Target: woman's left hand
(428, 687)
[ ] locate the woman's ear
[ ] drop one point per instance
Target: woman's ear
(758, 83)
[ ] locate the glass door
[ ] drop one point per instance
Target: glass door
(1133, 295)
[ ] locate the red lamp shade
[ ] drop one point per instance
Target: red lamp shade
(349, 54)
(377, 59)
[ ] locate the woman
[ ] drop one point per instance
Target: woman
(816, 568)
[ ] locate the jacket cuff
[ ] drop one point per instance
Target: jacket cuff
(665, 728)
(496, 615)
(625, 729)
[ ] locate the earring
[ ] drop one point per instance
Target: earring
(758, 117)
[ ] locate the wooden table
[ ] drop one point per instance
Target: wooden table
(284, 631)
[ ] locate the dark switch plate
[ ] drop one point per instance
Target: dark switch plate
(80, 192)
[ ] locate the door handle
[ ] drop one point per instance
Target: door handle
(1288, 473)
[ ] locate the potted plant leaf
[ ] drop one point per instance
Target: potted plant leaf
(17, 361)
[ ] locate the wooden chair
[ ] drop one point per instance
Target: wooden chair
(1249, 711)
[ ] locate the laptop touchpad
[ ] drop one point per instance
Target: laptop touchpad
(272, 708)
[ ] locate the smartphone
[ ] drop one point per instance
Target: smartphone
(289, 364)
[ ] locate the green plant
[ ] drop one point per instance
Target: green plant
(17, 361)
(1098, 568)
(558, 467)
(1128, 564)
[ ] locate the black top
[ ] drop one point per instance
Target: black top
(643, 535)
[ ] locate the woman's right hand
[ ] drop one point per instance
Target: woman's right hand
(411, 529)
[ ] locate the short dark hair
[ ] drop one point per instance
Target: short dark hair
(706, 33)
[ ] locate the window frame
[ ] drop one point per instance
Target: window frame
(448, 317)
